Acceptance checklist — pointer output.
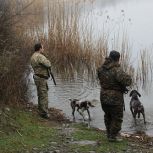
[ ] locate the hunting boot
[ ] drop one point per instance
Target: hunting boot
(114, 139)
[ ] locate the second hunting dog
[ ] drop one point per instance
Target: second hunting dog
(136, 106)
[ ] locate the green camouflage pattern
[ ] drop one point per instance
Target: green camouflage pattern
(113, 81)
(113, 119)
(40, 64)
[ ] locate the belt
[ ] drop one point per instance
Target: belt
(42, 76)
(112, 90)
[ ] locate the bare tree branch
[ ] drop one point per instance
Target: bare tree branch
(19, 12)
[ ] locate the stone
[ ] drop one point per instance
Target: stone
(53, 143)
(35, 149)
(56, 151)
(7, 109)
(92, 152)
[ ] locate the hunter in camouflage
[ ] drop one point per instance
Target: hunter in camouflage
(40, 65)
(113, 81)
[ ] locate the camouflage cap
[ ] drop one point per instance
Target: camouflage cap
(114, 55)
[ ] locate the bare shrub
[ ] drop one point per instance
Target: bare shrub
(14, 54)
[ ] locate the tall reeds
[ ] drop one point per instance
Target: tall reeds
(144, 69)
(73, 48)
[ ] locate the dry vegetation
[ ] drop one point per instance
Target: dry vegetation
(14, 50)
(71, 46)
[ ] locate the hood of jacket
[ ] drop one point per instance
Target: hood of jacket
(109, 64)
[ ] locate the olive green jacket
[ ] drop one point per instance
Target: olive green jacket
(40, 64)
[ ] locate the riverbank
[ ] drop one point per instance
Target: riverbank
(23, 131)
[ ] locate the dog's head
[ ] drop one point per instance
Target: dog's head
(90, 104)
(135, 94)
(73, 100)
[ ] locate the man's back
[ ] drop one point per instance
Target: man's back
(113, 81)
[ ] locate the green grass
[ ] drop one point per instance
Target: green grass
(30, 134)
(27, 131)
(103, 146)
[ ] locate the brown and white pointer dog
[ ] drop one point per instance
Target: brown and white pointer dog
(136, 106)
(81, 106)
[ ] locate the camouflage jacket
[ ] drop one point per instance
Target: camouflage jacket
(113, 81)
(40, 64)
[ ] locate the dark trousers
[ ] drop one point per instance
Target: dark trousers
(113, 119)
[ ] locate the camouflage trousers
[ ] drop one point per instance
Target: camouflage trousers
(42, 93)
(113, 119)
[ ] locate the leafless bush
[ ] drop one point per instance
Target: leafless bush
(14, 54)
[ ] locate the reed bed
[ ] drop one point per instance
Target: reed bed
(144, 69)
(73, 49)
(71, 45)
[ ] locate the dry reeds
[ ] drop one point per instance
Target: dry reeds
(71, 46)
(144, 69)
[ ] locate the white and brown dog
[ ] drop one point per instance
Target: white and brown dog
(81, 106)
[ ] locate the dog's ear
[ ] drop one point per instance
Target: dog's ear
(138, 93)
(70, 100)
(131, 93)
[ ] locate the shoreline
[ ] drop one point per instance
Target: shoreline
(59, 116)
(33, 134)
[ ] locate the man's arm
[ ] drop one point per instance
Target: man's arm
(44, 61)
(123, 78)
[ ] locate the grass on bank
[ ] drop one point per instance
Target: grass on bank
(23, 131)
(103, 146)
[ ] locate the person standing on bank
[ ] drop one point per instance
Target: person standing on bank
(41, 66)
(113, 82)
